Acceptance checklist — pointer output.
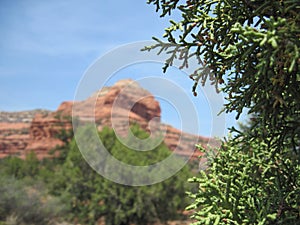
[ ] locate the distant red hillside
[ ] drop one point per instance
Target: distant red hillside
(21, 132)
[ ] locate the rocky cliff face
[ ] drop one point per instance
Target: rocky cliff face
(118, 106)
(125, 101)
(14, 137)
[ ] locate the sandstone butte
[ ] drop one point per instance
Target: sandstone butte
(117, 106)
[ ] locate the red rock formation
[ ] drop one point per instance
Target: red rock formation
(14, 138)
(117, 106)
(44, 133)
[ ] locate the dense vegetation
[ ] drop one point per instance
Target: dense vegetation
(248, 49)
(67, 189)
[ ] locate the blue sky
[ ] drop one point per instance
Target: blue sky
(47, 46)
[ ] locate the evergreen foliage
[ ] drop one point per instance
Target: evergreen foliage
(249, 50)
(66, 188)
(94, 197)
(248, 184)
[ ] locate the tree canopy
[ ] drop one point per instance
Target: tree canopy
(68, 189)
(95, 197)
(248, 49)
